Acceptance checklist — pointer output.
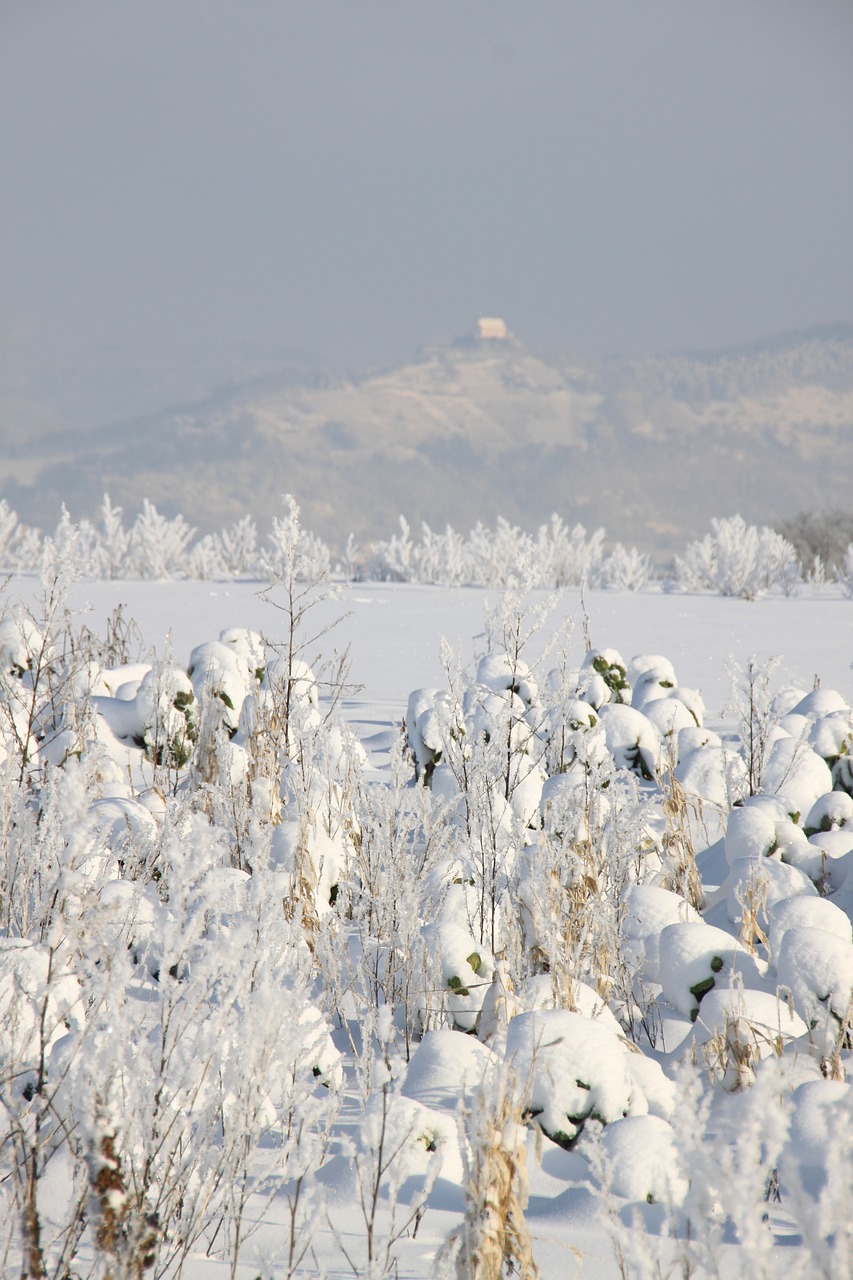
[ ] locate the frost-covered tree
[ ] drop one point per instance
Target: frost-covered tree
(158, 545)
(394, 560)
(844, 573)
(9, 530)
(568, 557)
(624, 570)
(115, 541)
(737, 559)
(822, 534)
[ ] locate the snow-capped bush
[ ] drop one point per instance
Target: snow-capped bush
(575, 1069)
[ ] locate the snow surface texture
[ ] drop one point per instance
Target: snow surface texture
(267, 996)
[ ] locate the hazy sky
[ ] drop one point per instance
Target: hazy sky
(354, 180)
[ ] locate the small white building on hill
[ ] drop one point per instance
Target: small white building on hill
(490, 328)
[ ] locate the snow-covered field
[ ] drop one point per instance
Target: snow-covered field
(393, 630)
(271, 1007)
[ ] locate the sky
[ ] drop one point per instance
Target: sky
(188, 184)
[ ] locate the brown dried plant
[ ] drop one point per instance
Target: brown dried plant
(494, 1240)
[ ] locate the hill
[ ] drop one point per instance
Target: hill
(650, 448)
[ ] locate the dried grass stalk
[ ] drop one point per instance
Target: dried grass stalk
(494, 1240)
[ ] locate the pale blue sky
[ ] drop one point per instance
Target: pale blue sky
(354, 180)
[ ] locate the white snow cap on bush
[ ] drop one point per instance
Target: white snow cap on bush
(641, 1160)
(632, 739)
(817, 967)
(466, 968)
(573, 1068)
(20, 642)
(756, 884)
(818, 1107)
(751, 828)
(647, 909)
(650, 668)
(809, 912)
(711, 772)
(797, 773)
(695, 958)
(498, 672)
(820, 702)
(759, 1021)
(671, 716)
(444, 1063)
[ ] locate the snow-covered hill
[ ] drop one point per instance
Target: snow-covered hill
(650, 449)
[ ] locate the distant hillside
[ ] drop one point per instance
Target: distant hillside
(651, 449)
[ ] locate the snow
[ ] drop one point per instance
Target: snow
(393, 631)
(641, 1160)
(312, 1044)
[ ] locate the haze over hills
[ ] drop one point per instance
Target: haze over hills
(474, 429)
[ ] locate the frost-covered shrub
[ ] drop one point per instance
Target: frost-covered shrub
(37, 1007)
(20, 546)
(112, 543)
(625, 569)
(294, 555)
(394, 560)
(499, 555)
(569, 557)
(844, 573)
(238, 547)
(737, 559)
(819, 535)
(492, 557)
(158, 545)
(733, 559)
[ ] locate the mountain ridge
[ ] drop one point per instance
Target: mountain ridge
(650, 449)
